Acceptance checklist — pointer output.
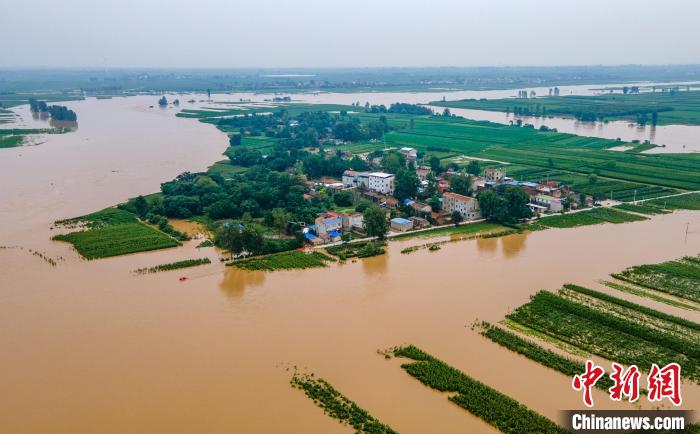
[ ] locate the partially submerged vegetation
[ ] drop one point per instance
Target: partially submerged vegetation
(612, 328)
(651, 295)
(495, 408)
(174, 265)
(113, 232)
(284, 261)
(463, 231)
(535, 352)
(337, 405)
(680, 278)
(363, 249)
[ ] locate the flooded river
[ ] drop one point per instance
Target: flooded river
(92, 347)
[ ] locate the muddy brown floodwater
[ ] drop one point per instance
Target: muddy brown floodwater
(90, 347)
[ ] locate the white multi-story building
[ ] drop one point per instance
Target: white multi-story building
(467, 206)
(381, 182)
(352, 178)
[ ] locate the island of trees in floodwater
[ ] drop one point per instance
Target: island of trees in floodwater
(57, 112)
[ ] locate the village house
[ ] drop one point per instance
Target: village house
(353, 221)
(441, 217)
(552, 203)
(443, 186)
(410, 154)
(422, 174)
(537, 209)
(495, 174)
(391, 202)
(418, 206)
(466, 206)
(352, 178)
(401, 224)
(381, 182)
(419, 222)
(328, 222)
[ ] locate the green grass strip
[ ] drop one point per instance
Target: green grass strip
(338, 406)
(495, 408)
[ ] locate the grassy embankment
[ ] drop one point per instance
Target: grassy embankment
(174, 265)
(495, 408)
(681, 107)
(112, 232)
(337, 405)
(284, 261)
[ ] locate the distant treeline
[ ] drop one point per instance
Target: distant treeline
(57, 112)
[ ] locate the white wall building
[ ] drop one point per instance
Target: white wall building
(467, 206)
(381, 182)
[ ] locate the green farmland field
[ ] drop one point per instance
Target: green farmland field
(681, 107)
(117, 240)
(573, 157)
(112, 232)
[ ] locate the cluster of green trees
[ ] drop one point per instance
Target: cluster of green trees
(307, 129)
(37, 106)
(505, 205)
(401, 108)
(57, 112)
(62, 113)
(163, 101)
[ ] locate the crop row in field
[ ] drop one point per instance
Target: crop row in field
(117, 240)
(495, 408)
(583, 218)
(607, 335)
(533, 351)
(680, 278)
(338, 406)
(174, 265)
(284, 261)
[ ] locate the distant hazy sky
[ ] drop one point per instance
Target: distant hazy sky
(332, 33)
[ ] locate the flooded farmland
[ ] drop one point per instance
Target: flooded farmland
(92, 347)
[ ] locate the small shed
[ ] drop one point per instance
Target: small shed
(401, 224)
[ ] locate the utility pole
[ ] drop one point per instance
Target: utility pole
(635, 196)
